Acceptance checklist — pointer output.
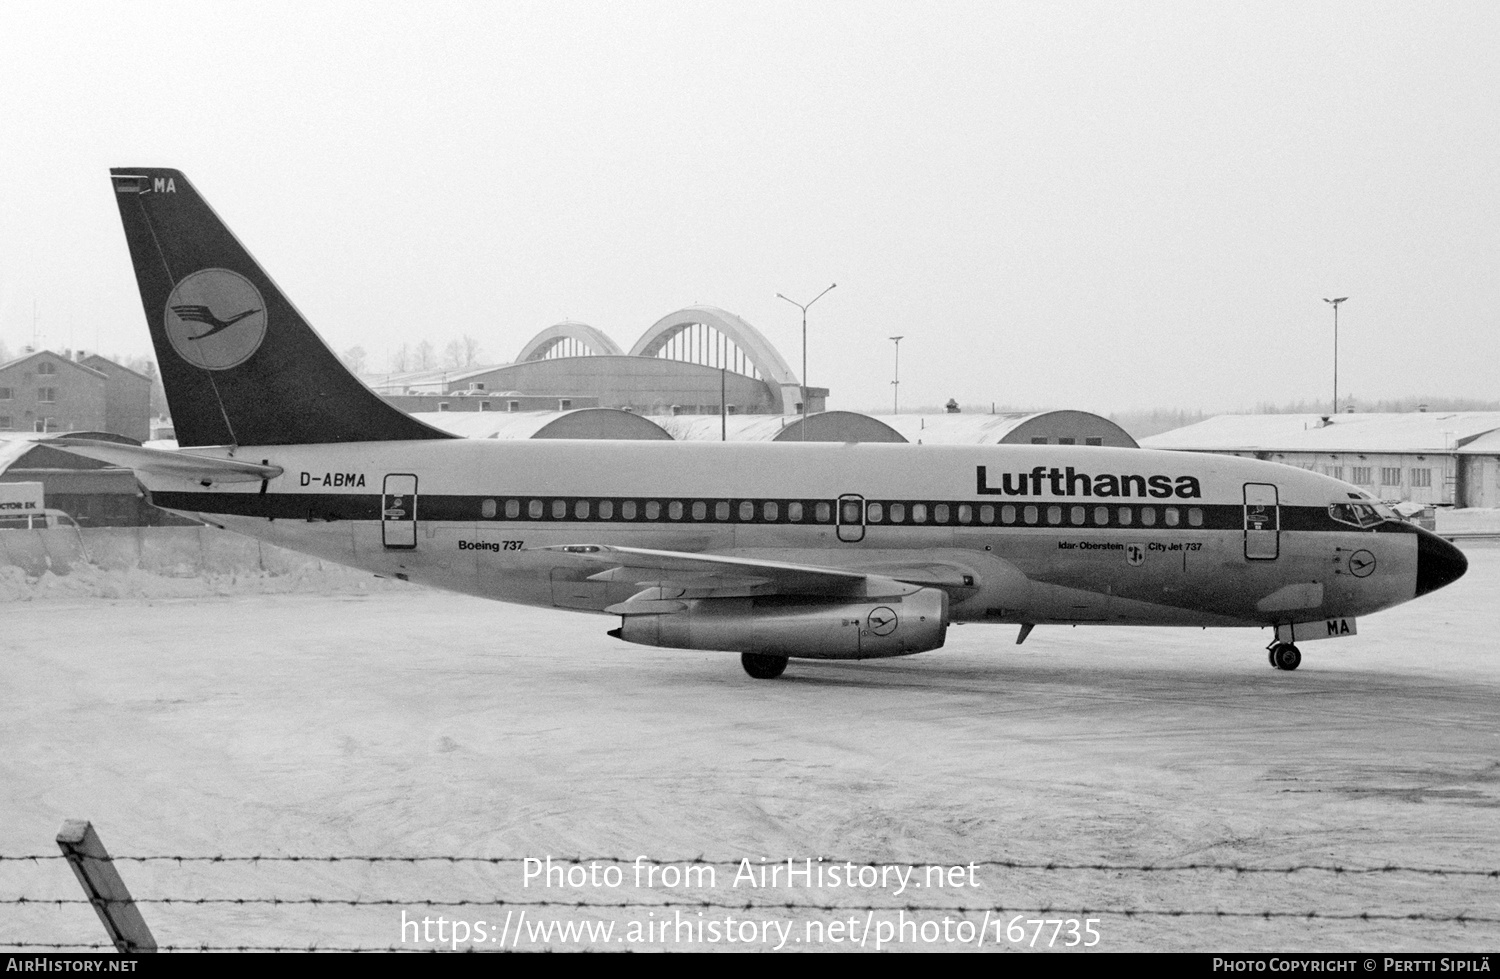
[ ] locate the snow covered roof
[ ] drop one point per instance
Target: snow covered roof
(581, 423)
(1413, 431)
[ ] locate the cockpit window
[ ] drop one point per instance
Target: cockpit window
(1362, 514)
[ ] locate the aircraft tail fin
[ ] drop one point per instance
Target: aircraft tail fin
(240, 365)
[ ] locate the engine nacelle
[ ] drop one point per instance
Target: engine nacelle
(784, 625)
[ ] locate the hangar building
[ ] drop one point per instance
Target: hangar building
(678, 366)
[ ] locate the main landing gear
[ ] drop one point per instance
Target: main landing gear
(763, 666)
(1284, 656)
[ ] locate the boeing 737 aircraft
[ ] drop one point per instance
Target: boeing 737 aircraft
(771, 550)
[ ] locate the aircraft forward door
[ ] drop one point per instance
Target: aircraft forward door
(1262, 522)
(398, 512)
(851, 517)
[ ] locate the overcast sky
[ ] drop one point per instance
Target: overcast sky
(1099, 206)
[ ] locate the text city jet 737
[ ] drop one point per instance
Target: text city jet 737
(771, 550)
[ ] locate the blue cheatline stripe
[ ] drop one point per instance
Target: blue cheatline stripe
(477, 509)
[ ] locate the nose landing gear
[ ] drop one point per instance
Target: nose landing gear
(1284, 656)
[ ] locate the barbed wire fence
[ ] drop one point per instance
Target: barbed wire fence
(110, 905)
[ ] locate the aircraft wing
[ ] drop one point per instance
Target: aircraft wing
(670, 575)
(165, 462)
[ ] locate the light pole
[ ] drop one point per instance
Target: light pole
(896, 384)
(1335, 304)
(804, 308)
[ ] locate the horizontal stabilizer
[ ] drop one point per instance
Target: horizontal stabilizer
(165, 462)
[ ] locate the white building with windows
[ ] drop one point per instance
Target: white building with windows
(1447, 458)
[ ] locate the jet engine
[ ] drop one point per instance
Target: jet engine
(790, 625)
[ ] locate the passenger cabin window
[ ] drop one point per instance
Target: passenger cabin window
(875, 513)
(1148, 516)
(1101, 515)
(559, 509)
(700, 510)
(1077, 516)
(770, 511)
(824, 513)
(1008, 514)
(606, 510)
(1195, 516)
(534, 509)
(487, 509)
(674, 510)
(794, 512)
(1171, 516)
(627, 510)
(747, 511)
(965, 513)
(581, 510)
(986, 514)
(1029, 514)
(940, 513)
(653, 510)
(919, 513)
(898, 513)
(1125, 516)
(850, 512)
(512, 509)
(1054, 515)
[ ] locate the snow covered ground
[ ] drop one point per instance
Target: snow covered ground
(402, 721)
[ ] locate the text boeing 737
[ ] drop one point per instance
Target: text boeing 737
(772, 550)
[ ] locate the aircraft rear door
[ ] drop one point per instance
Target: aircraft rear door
(851, 517)
(398, 512)
(1262, 522)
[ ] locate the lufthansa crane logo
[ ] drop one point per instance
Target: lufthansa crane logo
(882, 621)
(215, 319)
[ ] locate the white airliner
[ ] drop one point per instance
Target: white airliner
(772, 550)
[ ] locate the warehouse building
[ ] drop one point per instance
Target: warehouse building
(1448, 458)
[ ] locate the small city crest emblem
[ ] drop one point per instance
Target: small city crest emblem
(215, 319)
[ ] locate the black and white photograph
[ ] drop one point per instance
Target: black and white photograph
(787, 476)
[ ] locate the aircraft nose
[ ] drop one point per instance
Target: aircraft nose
(1439, 563)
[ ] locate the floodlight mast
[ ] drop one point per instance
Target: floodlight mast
(804, 308)
(1335, 304)
(896, 382)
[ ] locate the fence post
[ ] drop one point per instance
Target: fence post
(103, 887)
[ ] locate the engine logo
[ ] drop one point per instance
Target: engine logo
(883, 621)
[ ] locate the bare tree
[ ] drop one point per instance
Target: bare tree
(401, 360)
(355, 359)
(4, 352)
(453, 354)
(471, 351)
(426, 358)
